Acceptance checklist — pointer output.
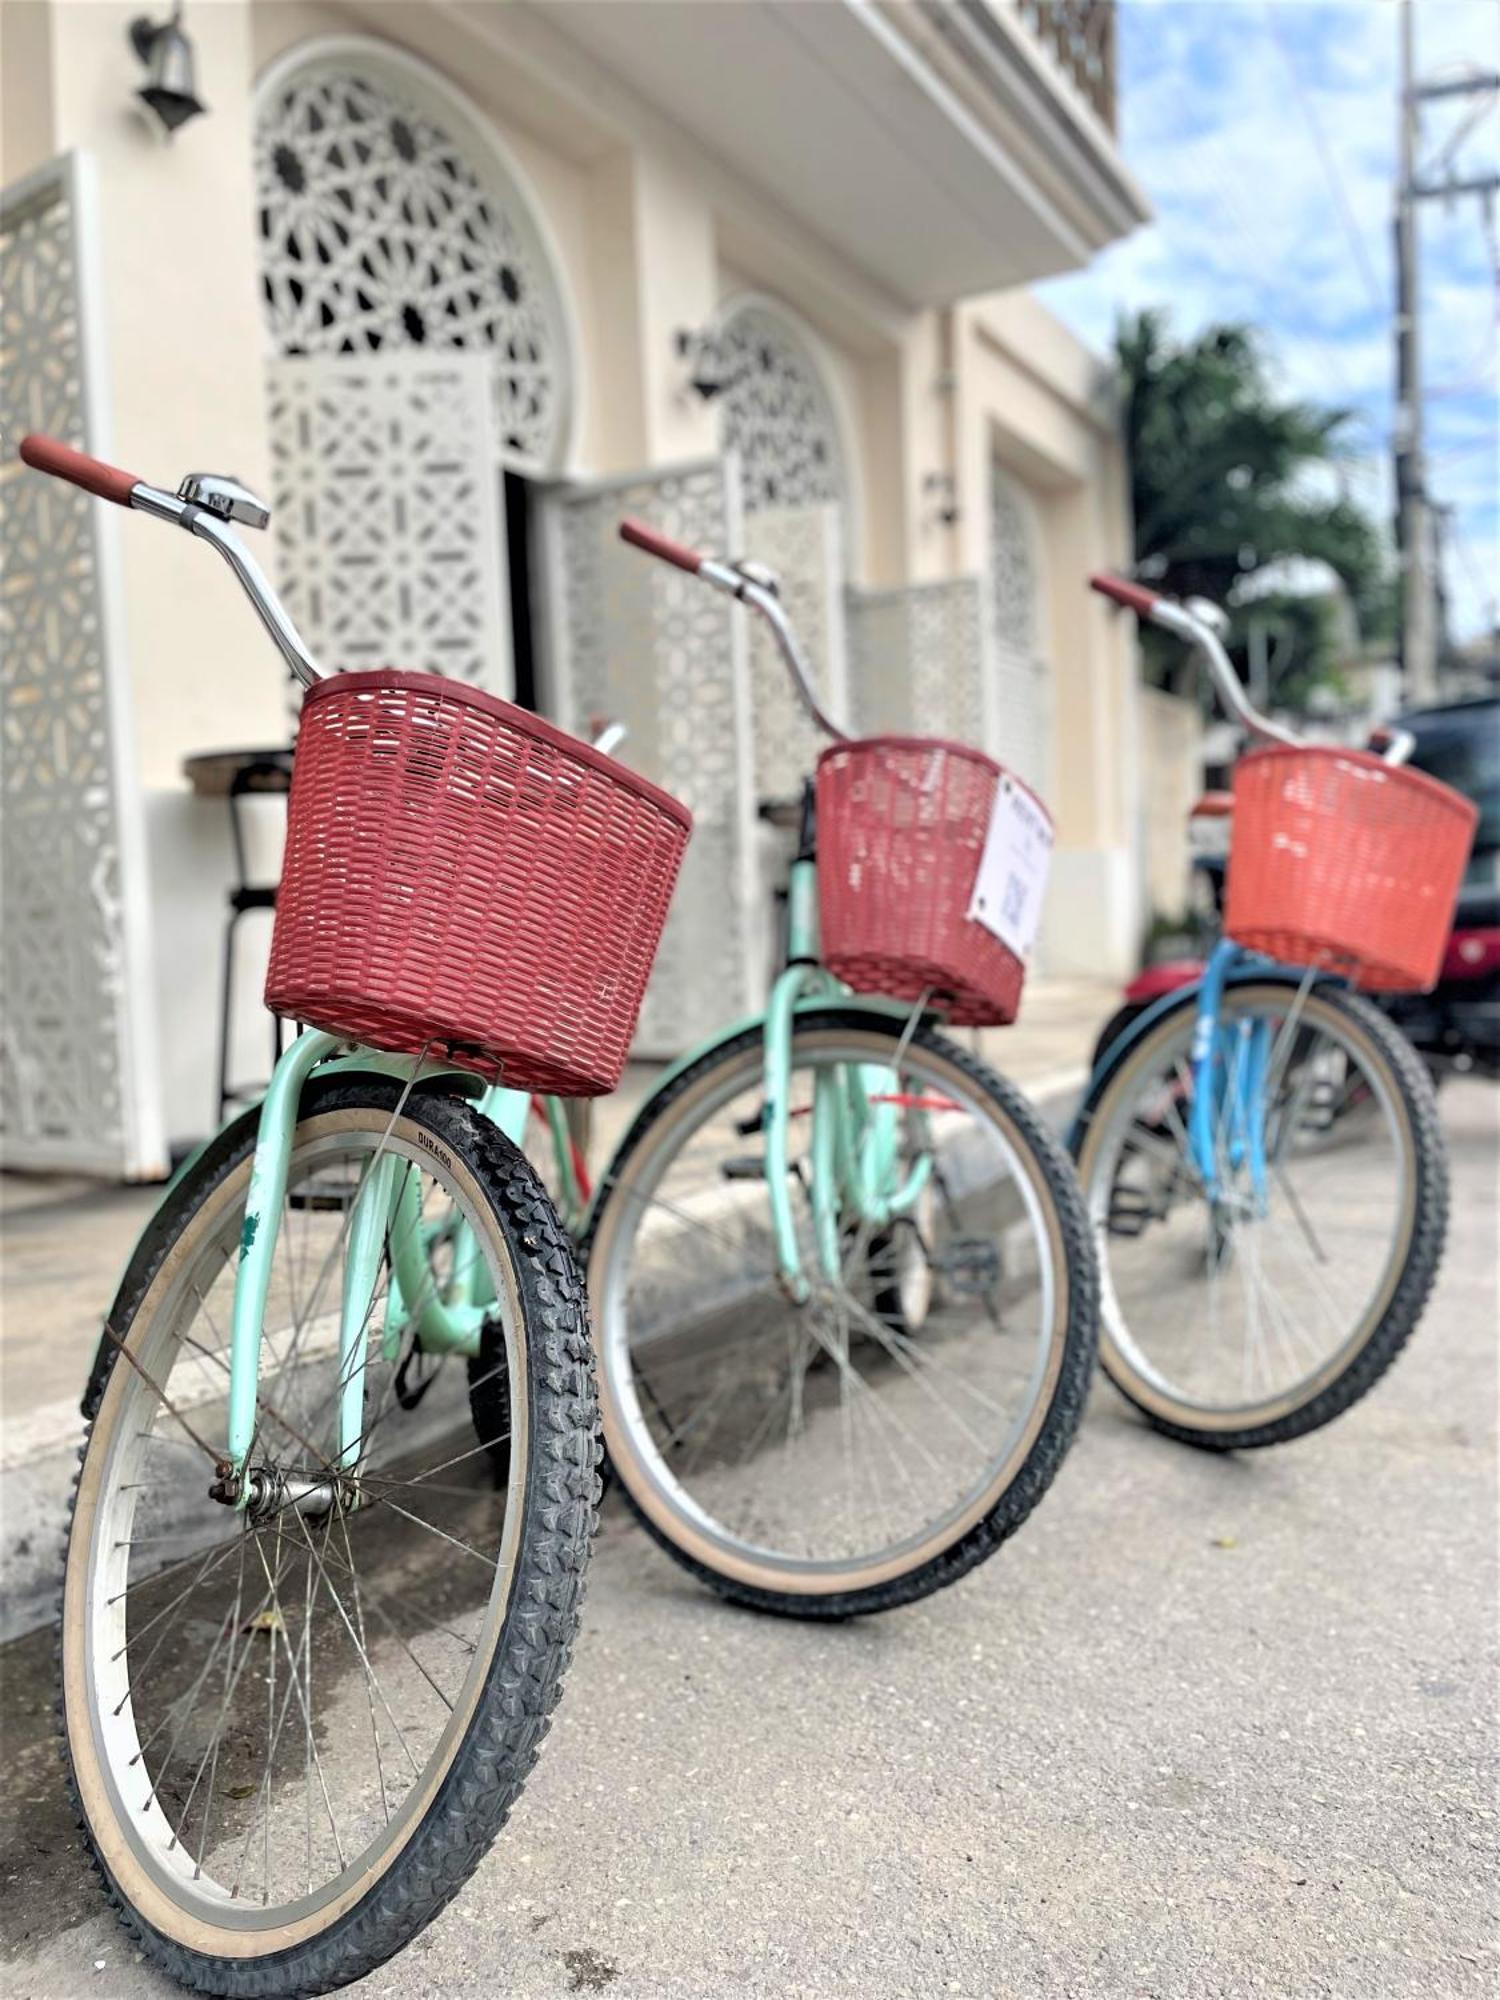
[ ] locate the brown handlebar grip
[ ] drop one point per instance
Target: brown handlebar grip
(44, 454)
(642, 537)
(1135, 596)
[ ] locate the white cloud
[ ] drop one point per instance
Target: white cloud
(1231, 113)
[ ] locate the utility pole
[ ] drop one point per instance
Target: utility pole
(1415, 519)
(1413, 538)
(1442, 521)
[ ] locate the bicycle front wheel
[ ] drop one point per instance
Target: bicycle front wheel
(1256, 1310)
(860, 1450)
(294, 1726)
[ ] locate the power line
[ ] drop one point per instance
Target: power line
(1331, 168)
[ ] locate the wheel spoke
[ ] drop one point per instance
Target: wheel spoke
(832, 1432)
(333, 1595)
(1309, 1244)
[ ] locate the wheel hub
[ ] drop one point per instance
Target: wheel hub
(268, 1490)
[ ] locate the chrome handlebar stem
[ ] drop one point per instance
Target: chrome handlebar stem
(209, 527)
(748, 583)
(1398, 744)
(1176, 618)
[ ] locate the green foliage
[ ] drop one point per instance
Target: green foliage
(1302, 646)
(1220, 481)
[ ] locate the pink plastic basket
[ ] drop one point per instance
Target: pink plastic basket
(901, 826)
(464, 877)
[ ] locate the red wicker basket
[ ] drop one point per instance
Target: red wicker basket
(1343, 860)
(901, 827)
(464, 877)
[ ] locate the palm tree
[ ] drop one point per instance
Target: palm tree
(1224, 475)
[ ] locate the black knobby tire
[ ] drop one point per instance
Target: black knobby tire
(1412, 1091)
(1058, 1189)
(560, 1512)
(1121, 1019)
(489, 1400)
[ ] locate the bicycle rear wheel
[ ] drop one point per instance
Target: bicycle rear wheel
(1250, 1321)
(861, 1450)
(293, 1728)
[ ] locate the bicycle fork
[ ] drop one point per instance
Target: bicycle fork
(1230, 1071)
(854, 1158)
(385, 1219)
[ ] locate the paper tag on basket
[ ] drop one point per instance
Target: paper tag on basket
(1012, 876)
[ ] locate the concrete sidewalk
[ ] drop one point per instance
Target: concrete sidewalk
(1206, 1729)
(64, 1243)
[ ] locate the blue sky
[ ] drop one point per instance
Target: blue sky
(1264, 134)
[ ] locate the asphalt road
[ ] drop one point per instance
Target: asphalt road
(1207, 1728)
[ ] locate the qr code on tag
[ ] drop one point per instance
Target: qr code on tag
(1012, 875)
(1013, 901)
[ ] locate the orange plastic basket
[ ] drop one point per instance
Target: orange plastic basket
(1342, 860)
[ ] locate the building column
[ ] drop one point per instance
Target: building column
(180, 307)
(1093, 921)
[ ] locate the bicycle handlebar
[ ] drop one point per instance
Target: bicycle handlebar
(1134, 596)
(1171, 616)
(740, 581)
(107, 482)
(661, 546)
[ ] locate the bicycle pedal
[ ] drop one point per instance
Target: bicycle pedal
(1130, 1212)
(748, 1167)
(970, 1265)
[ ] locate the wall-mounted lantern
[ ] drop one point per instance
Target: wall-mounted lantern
(940, 491)
(170, 89)
(700, 350)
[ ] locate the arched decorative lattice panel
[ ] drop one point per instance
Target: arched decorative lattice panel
(917, 658)
(387, 513)
(385, 223)
(1022, 683)
(776, 413)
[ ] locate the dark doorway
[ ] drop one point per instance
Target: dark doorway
(520, 522)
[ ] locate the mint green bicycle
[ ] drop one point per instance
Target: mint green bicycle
(311, 1631)
(842, 1279)
(843, 1286)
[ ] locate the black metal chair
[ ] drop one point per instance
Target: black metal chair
(236, 775)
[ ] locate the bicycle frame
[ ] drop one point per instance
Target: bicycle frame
(383, 1219)
(856, 1128)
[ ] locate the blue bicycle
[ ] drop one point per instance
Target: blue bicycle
(1265, 1175)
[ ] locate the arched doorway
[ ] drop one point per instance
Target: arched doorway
(422, 364)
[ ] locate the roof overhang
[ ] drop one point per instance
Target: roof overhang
(930, 141)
